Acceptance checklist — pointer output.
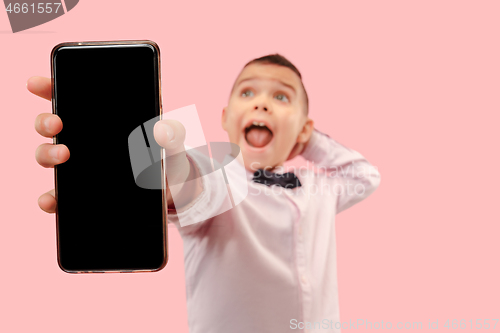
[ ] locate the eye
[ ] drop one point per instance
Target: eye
(283, 97)
(246, 93)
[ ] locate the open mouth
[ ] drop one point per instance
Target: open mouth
(258, 134)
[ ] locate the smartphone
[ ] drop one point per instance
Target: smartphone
(103, 91)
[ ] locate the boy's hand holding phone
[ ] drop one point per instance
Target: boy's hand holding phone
(169, 134)
(111, 197)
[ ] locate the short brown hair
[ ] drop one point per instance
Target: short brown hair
(278, 59)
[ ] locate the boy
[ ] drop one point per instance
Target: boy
(268, 264)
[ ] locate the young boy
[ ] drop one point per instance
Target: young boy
(269, 263)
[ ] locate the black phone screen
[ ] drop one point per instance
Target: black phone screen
(105, 222)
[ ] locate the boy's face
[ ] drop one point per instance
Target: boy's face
(269, 95)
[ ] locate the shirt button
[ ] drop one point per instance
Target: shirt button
(300, 230)
(304, 280)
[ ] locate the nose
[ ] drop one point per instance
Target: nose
(262, 104)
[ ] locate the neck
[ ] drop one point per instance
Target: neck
(276, 168)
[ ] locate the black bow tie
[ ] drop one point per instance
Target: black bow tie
(287, 180)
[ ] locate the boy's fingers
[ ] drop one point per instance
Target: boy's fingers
(170, 134)
(48, 154)
(48, 124)
(40, 86)
(47, 202)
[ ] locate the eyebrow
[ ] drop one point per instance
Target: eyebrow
(283, 83)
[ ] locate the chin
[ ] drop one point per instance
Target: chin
(252, 162)
(255, 158)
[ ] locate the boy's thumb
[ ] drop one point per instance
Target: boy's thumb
(170, 134)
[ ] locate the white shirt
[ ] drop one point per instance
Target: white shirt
(269, 263)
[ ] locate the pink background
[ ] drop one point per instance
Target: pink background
(413, 86)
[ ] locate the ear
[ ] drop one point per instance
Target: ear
(224, 118)
(306, 131)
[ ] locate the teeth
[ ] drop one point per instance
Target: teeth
(256, 123)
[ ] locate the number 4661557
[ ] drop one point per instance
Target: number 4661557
(25, 8)
(463, 324)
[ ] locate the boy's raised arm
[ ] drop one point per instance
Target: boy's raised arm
(207, 192)
(355, 176)
(186, 190)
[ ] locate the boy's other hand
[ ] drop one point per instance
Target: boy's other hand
(47, 125)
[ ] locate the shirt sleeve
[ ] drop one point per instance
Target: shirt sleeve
(212, 200)
(354, 177)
